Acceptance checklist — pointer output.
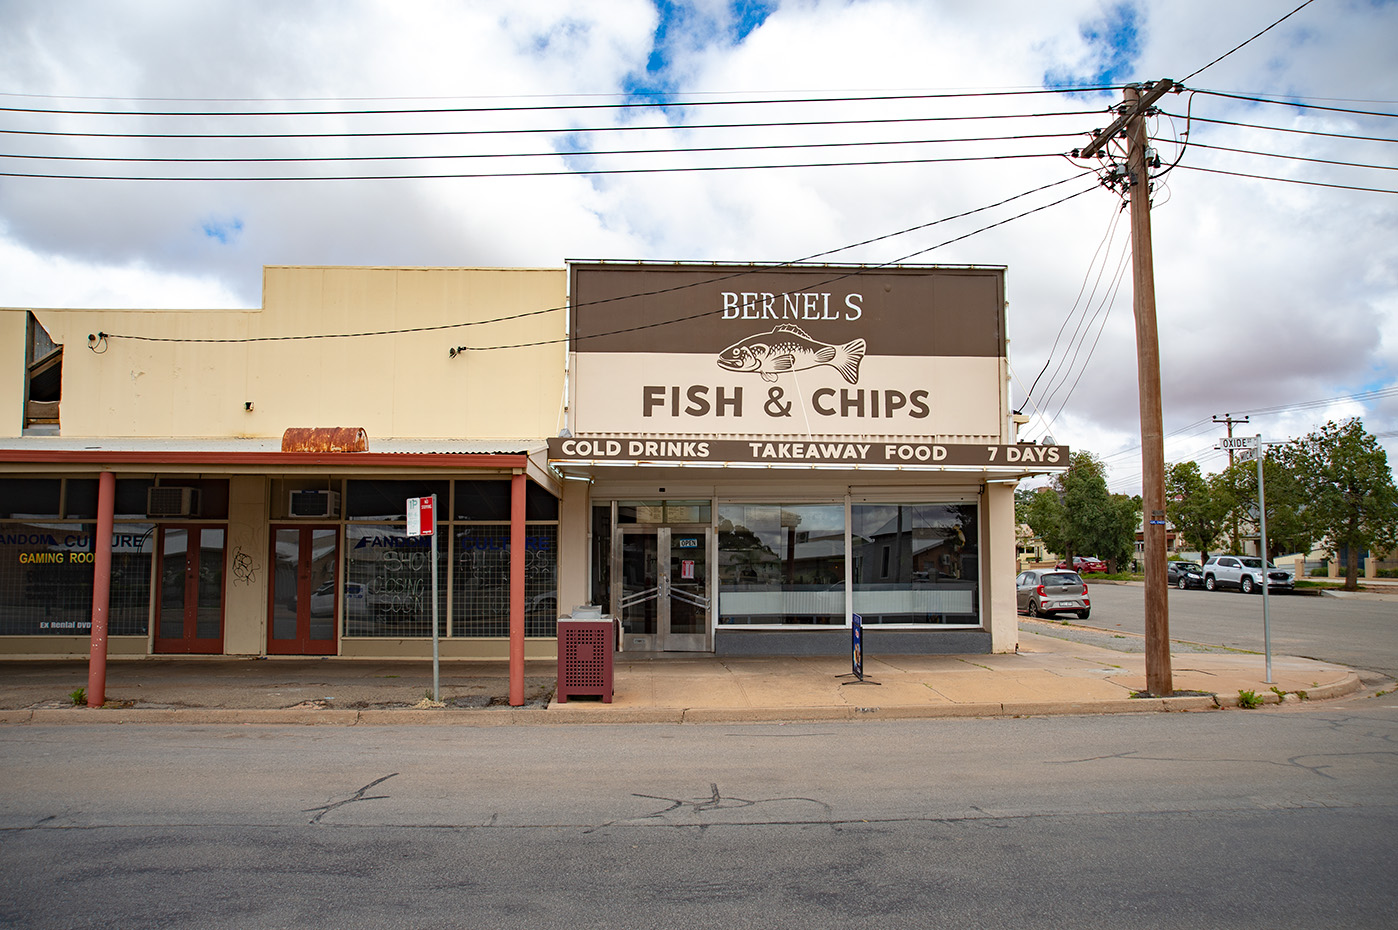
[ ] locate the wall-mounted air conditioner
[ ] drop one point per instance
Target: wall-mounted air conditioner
(168, 501)
(314, 504)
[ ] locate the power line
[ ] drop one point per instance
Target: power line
(544, 108)
(1105, 309)
(707, 313)
(1293, 103)
(1264, 177)
(1304, 132)
(1314, 161)
(596, 153)
(555, 96)
(548, 130)
(531, 174)
(653, 293)
(1106, 239)
(1241, 44)
(1065, 366)
(1359, 397)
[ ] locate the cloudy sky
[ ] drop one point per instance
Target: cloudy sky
(1276, 299)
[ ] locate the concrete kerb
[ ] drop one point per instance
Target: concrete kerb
(1347, 685)
(606, 714)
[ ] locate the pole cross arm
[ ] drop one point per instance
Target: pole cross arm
(1157, 90)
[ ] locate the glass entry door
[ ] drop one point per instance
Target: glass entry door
(661, 584)
(305, 595)
(190, 619)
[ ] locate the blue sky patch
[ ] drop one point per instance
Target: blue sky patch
(683, 26)
(1114, 44)
(748, 15)
(223, 231)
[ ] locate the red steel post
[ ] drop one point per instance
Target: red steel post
(101, 590)
(517, 532)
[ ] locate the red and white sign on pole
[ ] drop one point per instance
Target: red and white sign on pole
(422, 522)
(420, 516)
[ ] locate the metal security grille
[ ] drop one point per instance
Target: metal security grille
(481, 580)
(390, 575)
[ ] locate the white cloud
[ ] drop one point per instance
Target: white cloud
(1268, 294)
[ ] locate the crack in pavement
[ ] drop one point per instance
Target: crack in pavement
(716, 801)
(1316, 768)
(357, 796)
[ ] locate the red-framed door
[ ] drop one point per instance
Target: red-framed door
(191, 586)
(303, 608)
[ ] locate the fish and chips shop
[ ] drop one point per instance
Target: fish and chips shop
(769, 451)
(729, 459)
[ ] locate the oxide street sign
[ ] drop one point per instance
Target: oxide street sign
(1238, 442)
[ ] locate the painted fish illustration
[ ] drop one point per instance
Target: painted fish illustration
(788, 348)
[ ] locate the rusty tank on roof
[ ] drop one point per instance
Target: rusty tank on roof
(325, 439)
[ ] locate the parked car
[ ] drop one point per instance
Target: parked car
(1083, 565)
(1245, 573)
(1185, 574)
(1045, 593)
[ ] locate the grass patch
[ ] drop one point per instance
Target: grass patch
(1247, 700)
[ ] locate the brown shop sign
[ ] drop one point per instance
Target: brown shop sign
(625, 449)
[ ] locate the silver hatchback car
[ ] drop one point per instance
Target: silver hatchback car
(1043, 593)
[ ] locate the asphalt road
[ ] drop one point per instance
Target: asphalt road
(1275, 818)
(1360, 633)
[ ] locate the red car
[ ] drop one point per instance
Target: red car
(1083, 565)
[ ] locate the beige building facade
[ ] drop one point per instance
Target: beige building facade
(729, 459)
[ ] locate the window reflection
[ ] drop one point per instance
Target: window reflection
(915, 563)
(781, 563)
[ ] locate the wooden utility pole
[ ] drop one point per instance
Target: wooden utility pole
(1132, 119)
(1233, 544)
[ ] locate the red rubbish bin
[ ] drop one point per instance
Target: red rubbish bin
(585, 658)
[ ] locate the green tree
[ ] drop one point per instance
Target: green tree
(1075, 514)
(1042, 512)
(1194, 506)
(1290, 521)
(1352, 501)
(1117, 540)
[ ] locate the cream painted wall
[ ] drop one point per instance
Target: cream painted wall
(12, 331)
(248, 573)
(1000, 578)
(574, 525)
(401, 386)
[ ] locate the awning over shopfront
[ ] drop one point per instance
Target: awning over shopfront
(264, 455)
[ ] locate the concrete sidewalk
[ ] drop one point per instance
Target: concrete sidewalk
(1049, 675)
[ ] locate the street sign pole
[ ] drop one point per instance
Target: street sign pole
(1266, 596)
(1251, 447)
(422, 521)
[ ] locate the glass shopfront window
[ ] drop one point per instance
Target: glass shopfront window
(915, 563)
(781, 564)
(46, 572)
(481, 581)
(388, 582)
(388, 575)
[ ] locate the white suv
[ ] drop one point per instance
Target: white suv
(1245, 573)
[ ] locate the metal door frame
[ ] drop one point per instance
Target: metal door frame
(662, 640)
